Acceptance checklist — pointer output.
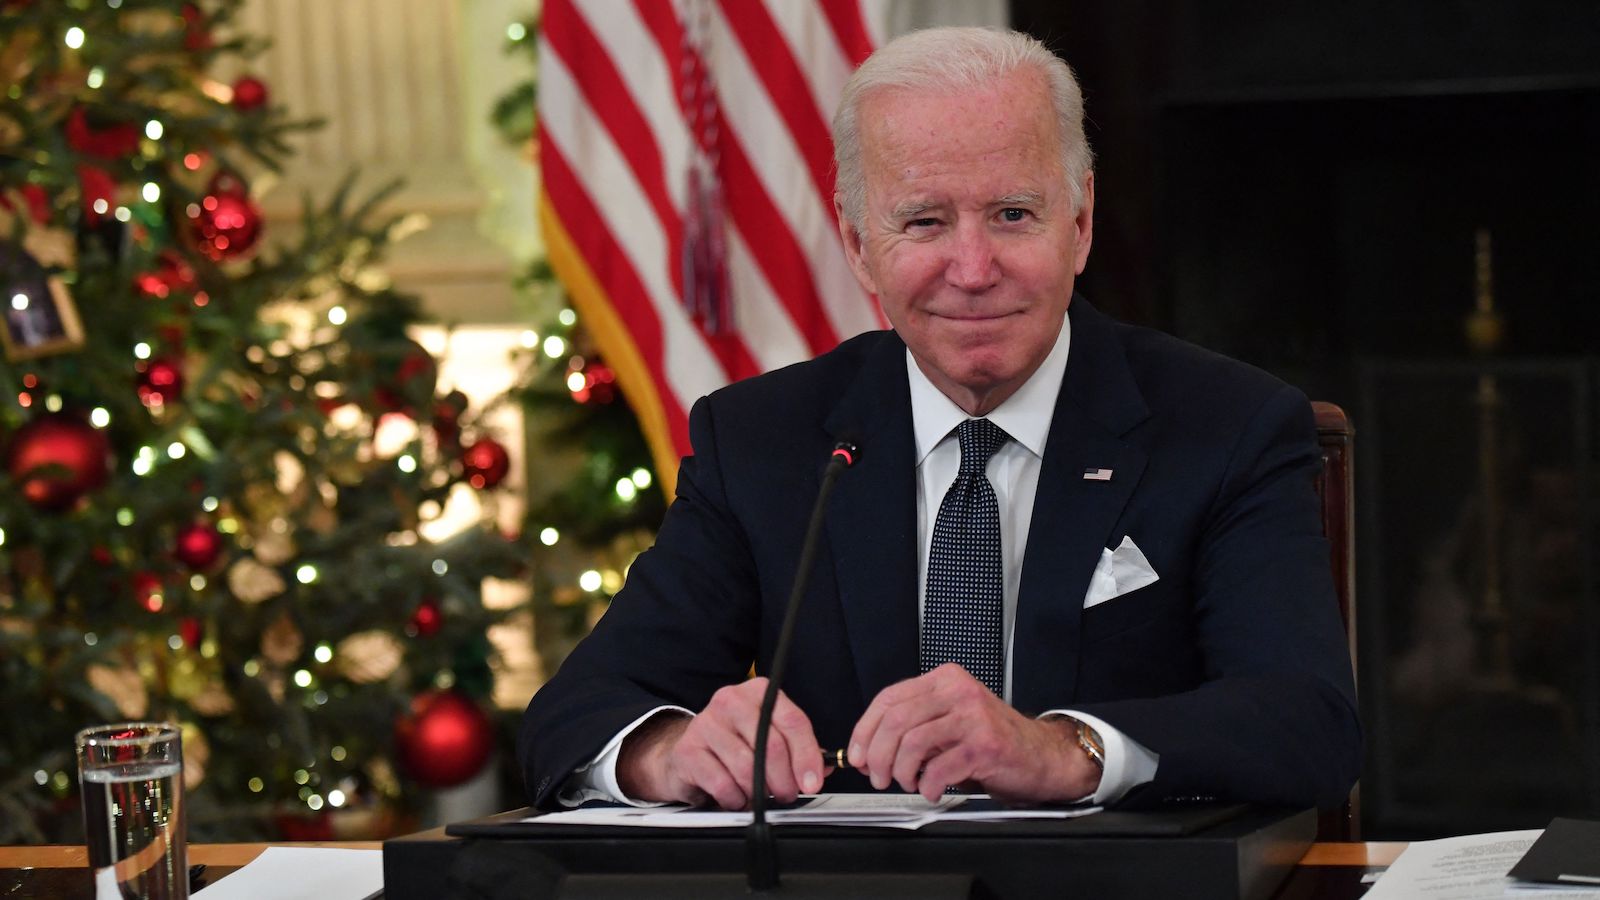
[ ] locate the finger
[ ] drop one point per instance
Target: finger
(919, 747)
(707, 774)
(866, 729)
(804, 761)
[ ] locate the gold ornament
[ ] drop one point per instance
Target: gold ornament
(253, 582)
(213, 700)
(281, 641)
(275, 547)
(369, 656)
(122, 686)
(196, 754)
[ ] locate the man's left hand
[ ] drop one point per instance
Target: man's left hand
(946, 728)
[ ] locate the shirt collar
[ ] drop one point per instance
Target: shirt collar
(1025, 415)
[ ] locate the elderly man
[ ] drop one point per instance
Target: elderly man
(1077, 559)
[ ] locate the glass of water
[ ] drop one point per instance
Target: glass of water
(131, 777)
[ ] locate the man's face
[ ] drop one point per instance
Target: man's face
(969, 237)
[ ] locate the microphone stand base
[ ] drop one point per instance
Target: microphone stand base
(798, 885)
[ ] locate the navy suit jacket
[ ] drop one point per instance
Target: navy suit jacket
(1232, 666)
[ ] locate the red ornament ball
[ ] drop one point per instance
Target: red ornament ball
(171, 276)
(198, 546)
(226, 223)
(486, 463)
(599, 384)
(427, 620)
(444, 740)
(196, 29)
(160, 382)
(56, 459)
(249, 94)
(191, 631)
(148, 591)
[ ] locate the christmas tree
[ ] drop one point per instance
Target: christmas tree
(594, 514)
(222, 451)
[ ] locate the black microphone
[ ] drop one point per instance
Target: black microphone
(761, 850)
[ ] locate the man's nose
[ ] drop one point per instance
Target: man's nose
(972, 264)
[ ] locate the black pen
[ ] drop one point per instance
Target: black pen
(835, 758)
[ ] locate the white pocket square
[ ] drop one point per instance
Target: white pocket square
(1120, 571)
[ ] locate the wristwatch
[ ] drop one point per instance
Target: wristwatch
(1094, 748)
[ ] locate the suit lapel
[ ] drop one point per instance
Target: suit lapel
(872, 521)
(1073, 516)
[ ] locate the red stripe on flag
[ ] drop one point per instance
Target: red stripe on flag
(774, 62)
(609, 100)
(765, 227)
(849, 27)
(615, 271)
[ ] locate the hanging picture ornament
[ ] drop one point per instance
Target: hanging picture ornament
(444, 740)
(446, 421)
(160, 382)
(56, 459)
(249, 94)
(226, 223)
(198, 546)
(486, 463)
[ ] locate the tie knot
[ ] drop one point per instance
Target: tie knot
(979, 439)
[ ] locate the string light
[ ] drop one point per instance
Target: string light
(99, 417)
(337, 753)
(97, 77)
(101, 207)
(123, 214)
(90, 638)
(175, 642)
(407, 463)
(567, 317)
(209, 504)
(151, 192)
(529, 339)
(516, 31)
(2, 537)
(197, 582)
(41, 777)
(641, 478)
(314, 801)
(256, 785)
(306, 574)
(554, 347)
(548, 536)
(323, 653)
(440, 567)
(337, 315)
(336, 797)
(53, 403)
(125, 515)
(252, 668)
(626, 489)
(74, 37)
(153, 130)
(302, 678)
(141, 350)
(176, 450)
(589, 581)
(19, 301)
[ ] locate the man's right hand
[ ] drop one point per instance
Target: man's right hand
(707, 758)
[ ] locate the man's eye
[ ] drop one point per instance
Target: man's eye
(1013, 214)
(924, 222)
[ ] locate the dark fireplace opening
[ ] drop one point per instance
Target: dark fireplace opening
(1426, 256)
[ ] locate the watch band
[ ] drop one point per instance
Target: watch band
(1093, 747)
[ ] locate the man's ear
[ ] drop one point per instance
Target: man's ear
(1085, 222)
(854, 247)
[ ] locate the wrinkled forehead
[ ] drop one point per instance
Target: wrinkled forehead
(909, 133)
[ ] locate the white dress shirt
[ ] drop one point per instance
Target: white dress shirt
(1014, 473)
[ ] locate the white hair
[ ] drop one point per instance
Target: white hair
(950, 60)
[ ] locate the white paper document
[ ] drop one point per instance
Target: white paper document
(905, 811)
(1472, 867)
(302, 873)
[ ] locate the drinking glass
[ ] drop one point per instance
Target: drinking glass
(131, 778)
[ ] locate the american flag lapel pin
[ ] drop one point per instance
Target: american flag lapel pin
(1096, 474)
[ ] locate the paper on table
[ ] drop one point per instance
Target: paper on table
(303, 873)
(1472, 867)
(904, 811)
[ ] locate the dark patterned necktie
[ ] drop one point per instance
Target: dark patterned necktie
(962, 607)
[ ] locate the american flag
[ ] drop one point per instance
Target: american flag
(687, 198)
